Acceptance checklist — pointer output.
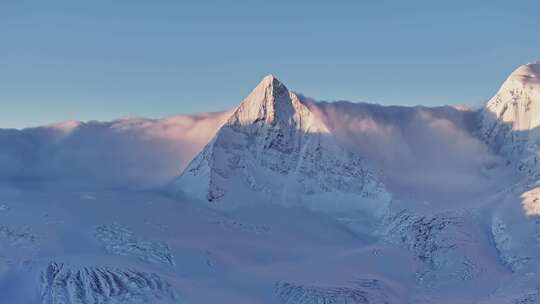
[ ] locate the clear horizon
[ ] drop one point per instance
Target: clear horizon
(101, 61)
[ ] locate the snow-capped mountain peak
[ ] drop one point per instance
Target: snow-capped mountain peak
(272, 103)
(510, 122)
(518, 99)
(273, 149)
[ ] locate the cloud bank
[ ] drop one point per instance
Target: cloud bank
(413, 146)
(136, 153)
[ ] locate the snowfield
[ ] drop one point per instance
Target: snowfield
(280, 200)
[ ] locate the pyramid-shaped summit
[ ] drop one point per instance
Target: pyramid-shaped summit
(272, 103)
(273, 149)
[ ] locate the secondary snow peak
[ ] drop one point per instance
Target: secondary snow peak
(516, 105)
(511, 119)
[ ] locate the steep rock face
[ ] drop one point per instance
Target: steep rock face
(273, 149)
(511, 119)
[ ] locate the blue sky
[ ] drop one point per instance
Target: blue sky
(84, 60)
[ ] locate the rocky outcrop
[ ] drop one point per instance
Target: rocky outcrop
(66, 284)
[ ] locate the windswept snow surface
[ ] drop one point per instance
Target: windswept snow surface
(280, 200)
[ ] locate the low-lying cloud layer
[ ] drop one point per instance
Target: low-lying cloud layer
(135, 153)
(413, 146)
